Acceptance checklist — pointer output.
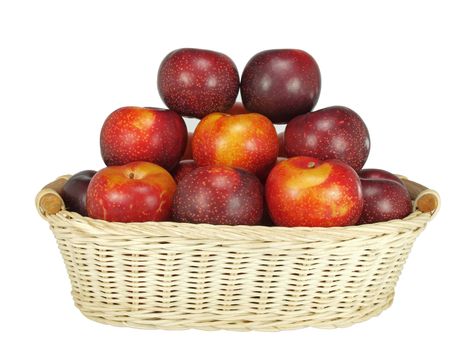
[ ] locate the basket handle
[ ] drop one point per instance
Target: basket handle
(49, 200)
(425, 200)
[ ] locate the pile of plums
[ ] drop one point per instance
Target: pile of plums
(235, 169)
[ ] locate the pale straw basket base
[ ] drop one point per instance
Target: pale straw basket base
(168, 275)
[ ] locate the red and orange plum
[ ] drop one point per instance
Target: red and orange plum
(135, 192)
(331, 133)
(305, 191)
(247, 141)
(219, 195)
(195, 82)
(154, 135)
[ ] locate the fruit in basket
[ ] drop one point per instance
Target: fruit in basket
(331, 133)
(195, 82)
(183, 168)
(384, 200)
(74, 191)
(247, 141)
(305, 191)
(148, 134)
(135, 192)
(281, 84)
(379, 174)
(219, 195)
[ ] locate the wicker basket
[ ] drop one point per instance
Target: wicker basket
(174, 276)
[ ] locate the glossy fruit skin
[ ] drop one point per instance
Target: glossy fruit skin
(281, 84)
(331, 133)
(148, 134)
(183, 168)
(219, 195)
(195, 82)
(74, 191)
(304, 191)
(381, 174)
(188, 154)
(384, 200)
(247, 141)
(135, 192)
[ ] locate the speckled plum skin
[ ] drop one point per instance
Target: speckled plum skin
(384, 200)
(218, 195)
(75, 189)
(183, 168)
(135, 192)
(331, 133)
(247, 141)
(381, 174)
(195, 82)
(281, 84)
(304, 191)
(148, 134)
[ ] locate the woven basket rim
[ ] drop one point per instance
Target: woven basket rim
(118, 230)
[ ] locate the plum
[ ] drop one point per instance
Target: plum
(218, 194)
(195, 82)
(384, 200)
(148, 134)
(75, 189)
(331, 133)
(281, 84)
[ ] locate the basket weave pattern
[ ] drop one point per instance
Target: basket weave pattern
(173, 276)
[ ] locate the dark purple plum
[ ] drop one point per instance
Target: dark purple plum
(74, 191)
(281, 84)
(331, 133)
(379, 174)
(218, 195)
(195, 82)
(384, 200)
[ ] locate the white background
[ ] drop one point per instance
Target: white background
(65, 66)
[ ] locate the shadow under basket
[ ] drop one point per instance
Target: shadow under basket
(169, 275)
